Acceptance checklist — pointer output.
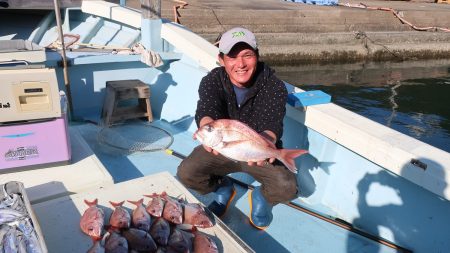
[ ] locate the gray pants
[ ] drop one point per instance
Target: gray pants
(203, 172)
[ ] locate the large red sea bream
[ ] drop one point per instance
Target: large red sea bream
(238, 141)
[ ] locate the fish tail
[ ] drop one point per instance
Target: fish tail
(154, 195)
(164, 195)
(116, 204)
(137, 203)
(91, 203)
(287, 157)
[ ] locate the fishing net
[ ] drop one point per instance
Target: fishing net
(135, 137)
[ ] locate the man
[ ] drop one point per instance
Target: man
(247, 90)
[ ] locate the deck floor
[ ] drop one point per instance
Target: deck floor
(290, 231)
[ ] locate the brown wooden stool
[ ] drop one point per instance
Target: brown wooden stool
(126, 90)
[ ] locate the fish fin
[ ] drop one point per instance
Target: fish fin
(287, 157)
(137, 203)
(182, 200)
(91, 203)
(165, 196)
(270, 144)
(116, 204)
(105, 238)
(153, 195)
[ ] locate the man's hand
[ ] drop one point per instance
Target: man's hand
(206, 120)
(210, 150)
(270, 136)
(262, 163)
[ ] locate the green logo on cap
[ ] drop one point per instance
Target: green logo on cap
(238, 34)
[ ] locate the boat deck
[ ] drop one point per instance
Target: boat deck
(290, 231)
(73, 206)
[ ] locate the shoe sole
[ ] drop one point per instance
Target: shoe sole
(250, 215)
(229, 202)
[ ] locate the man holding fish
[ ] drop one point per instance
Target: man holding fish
(240, 117)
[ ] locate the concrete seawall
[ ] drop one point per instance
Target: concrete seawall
(290, 33)
(296, 33)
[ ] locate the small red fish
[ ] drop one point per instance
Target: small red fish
(97, 247)
(180, 241)
(155, 206)
(238, 141)
(120, 217)
(116, 243)
(160, 231)
(140, 218)
(204, 244)
(173, 212)
(195, 215)
(139, 240)
(92, 221)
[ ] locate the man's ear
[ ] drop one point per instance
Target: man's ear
(220, 60)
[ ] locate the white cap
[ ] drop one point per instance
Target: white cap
(234, 36)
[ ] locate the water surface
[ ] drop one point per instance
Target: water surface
(418, 105)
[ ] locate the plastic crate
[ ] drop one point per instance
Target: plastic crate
(14, 187)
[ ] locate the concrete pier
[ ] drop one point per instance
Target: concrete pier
(290, 33)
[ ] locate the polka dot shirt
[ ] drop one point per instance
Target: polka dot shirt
(263, 107)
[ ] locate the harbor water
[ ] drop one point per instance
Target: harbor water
(412, 98)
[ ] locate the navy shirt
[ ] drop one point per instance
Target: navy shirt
(240, 94)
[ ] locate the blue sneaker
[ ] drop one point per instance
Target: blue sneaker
(260, 210)
(223, 197)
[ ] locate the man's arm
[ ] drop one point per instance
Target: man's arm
(275, 98)
(209, 104)
(272, 122)
(272, 137)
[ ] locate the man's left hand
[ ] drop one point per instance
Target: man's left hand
(261, 163)
(270, 136)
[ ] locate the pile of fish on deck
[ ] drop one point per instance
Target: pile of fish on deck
(17, 233)
(166, 224)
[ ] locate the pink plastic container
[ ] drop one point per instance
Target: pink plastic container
(34, 145)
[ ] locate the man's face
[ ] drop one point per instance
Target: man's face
(240, 64)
